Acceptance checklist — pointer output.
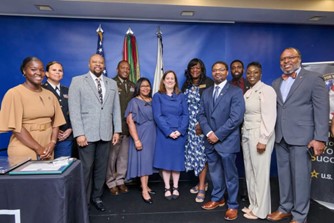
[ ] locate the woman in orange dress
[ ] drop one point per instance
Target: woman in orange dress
(32, 113)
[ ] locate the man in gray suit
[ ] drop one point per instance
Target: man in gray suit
(96, 120)
(302, 124)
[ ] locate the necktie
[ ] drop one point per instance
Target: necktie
(99, 89)
(57, 90)
(125, 86)
(215, 94)
(286, 76)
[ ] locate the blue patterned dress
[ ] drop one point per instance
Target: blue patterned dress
(195, 157)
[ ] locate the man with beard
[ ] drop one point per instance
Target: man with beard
(237, 71)
(301, 125)
(221, 113)
(118, 157)
(96, 120)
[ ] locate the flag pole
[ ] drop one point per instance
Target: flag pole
(99, 49)
(130, 54)
(159, 69)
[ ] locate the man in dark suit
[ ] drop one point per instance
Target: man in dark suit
(96, 120)
(302, 124)
(55, 73)
(221, 113)
(118, 156)
(237, 71)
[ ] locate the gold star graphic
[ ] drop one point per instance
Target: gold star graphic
(314, 174)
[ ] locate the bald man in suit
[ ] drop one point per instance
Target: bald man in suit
(96, 120)
(302, 123)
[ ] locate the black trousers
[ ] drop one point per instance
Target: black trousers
(94, 159)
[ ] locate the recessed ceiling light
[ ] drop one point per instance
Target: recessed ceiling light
(316, 18)
(187, 13)
(44, 7)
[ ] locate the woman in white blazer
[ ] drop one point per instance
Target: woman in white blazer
(257, 142)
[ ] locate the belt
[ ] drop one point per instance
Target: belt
(37, 127)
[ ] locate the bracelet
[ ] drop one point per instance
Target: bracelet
(138, 140)
(54, 141)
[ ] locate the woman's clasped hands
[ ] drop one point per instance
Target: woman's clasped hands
(175, 134)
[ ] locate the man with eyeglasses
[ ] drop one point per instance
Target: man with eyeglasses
(221, 113)
(301, 127)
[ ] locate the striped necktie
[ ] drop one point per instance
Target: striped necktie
(99, 89)
(215, 94)
(57, 90)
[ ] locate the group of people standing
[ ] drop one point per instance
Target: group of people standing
(123, 132)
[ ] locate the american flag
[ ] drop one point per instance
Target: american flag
(99, 49)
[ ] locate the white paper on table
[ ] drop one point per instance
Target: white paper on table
(41, 167)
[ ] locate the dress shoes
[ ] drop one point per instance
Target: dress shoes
(246, 210)
(175, 195)
(168, 197)
(114, 190)
(99, 205)
(231, 214)
(152, 192)
(123, 189)
(277, 216)
(213, 204)
(250, 216)
(147, 201)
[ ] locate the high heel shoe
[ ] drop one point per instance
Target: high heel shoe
(152, 192)
(168, 197)
(246, 210)
(175, 196)
(149, 190)
(194, 190)
(148, 201)
(250, 216)
(200, 196)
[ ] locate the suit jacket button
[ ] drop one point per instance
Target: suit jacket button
(102, 108)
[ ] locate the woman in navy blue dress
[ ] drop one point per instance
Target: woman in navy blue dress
(170, 111)
(139, 118)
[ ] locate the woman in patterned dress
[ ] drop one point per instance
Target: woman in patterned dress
(195, 159)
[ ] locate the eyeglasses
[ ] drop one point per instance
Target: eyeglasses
(288, 58)
(218, 70)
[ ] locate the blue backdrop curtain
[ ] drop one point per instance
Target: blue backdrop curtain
(72, 41)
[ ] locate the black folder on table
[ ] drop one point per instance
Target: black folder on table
(9, 163)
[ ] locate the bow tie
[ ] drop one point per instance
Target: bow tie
(286, 76)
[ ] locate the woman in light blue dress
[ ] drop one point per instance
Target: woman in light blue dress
(142, 129)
